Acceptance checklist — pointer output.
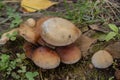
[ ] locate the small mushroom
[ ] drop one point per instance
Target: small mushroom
(26, 30)
(59, 32)
(102, 59)
(69, 54)
(30, 22)
(42, 56)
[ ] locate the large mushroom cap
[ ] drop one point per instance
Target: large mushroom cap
(102, 59)
(69, 54)
(59, 32)
(45, 58)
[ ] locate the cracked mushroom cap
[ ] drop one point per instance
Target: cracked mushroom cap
(102, 59)
(59, 32)
(69, 54)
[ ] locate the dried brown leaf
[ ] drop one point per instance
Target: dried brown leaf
(84, 43)
(114, 49)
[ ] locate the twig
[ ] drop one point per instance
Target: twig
(40, 74)
(11, 1)
(4, 21)
(114, 6)
(112, 10)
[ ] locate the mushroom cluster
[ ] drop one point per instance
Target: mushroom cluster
(50, 41)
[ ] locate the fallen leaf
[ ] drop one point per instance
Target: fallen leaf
(34, 5)
(84, 29)
(84, 43)
(89, 33)
(99, 28)
(114, 49)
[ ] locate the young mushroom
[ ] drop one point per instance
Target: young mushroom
(102, 59)
(69, 54)
(42, 56)
(26, 30)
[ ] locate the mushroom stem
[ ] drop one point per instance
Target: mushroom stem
(4, 38)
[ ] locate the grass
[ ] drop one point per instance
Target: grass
(84, 12)
(88, 12)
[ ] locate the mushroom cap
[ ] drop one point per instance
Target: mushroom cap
(30, 22)
(59, 32)
(102, 59)
(69, 54)
(45, 58)
(27, 33)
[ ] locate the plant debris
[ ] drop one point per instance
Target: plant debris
(32, 6)
(84, 44)
(114, 49)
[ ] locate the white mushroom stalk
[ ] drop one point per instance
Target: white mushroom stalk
(4, 38)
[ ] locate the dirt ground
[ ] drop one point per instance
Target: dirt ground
(82, 70)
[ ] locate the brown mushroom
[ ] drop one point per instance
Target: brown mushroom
(69, 54)
(59, 32)
(27, 33)
(30, 30)
(102, 59)
(42, 56)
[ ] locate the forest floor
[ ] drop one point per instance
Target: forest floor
(92, 17)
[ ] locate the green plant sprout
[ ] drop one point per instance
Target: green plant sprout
(4, 61)
(114, 34)
(31, 75)
(12, 16)
(7, 66)
(12, 36)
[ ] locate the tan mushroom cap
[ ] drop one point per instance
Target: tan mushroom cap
(69, 54)
(45, 58)
(102, 59)
(27, 33)
(30, 22)
(59, 32)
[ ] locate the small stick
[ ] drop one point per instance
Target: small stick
(11, 1)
